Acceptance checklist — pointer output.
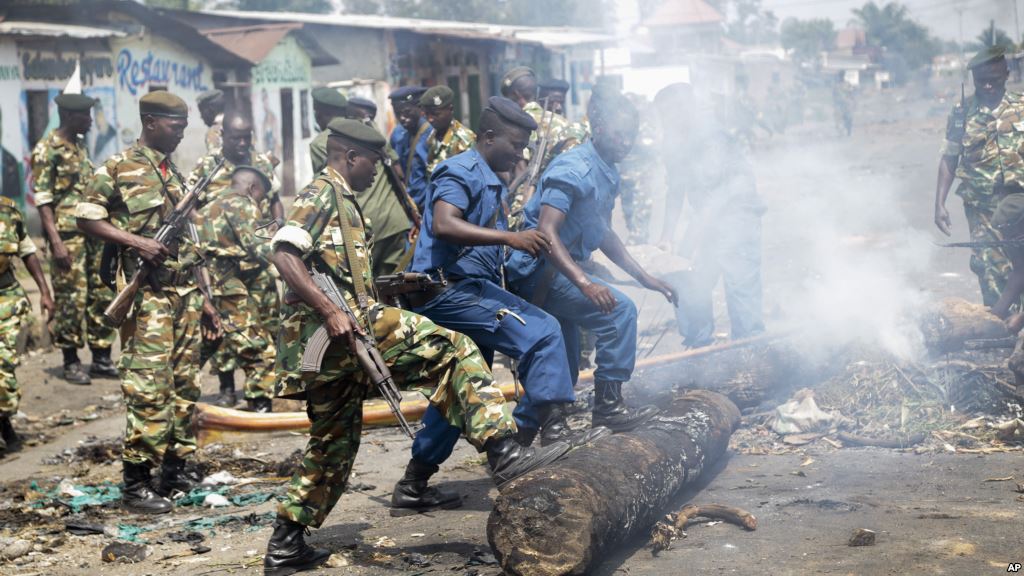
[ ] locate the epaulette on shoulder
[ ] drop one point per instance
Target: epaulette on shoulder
(315, 188)
(6, 202)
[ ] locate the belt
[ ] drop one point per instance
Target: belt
(420, 298)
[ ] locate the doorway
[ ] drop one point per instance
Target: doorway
(287, 143)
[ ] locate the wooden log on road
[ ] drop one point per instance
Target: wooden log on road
(561, 518)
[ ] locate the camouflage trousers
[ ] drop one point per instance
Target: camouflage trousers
(159, 361)
(636, 208)
(419, 353)
(246, 344)
(13, 308)
(80, 297)
(267, 314)
(990, 265)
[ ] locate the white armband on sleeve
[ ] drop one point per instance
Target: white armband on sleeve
(295, 236)
(26, 247)
(90, 211)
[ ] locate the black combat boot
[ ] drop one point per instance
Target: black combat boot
(288, 553)
(138, 495)
(412, 490)
(11, 440)
(610, 411)
(73, 371)
(555, 428)
(525, 436)
(262, 405)
(102, 366)
(509, 459)
(173, 476)
(226, 397)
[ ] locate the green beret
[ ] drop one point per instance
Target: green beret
(986, 55)
(162, 103)
(514, 74)
(209, 96)
(329, 97)
(437, 97)
(355, 132)
(74, 102)
(1009, 212)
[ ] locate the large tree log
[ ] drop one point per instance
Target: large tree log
(558, 519)
(949, 325)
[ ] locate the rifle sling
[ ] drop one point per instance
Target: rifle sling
(412, 151)
(354, 262)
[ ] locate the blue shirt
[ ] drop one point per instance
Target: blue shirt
(582, 186)
(416, 176)
(468, 183)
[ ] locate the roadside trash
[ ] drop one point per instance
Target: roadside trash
(82, 528)
(124, 552)
(215, 500)
(862, 537)
(801, 414)
(222, 478)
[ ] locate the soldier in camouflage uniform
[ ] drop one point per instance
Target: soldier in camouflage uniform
(60, 169)
(984, 142)
(635, 173)
(325, 230)
(450, 136)
(125, 203)
(236, 257)
(211, 110)
(393, 232)
(262, 287)
(14, 305)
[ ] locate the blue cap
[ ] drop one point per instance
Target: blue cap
(407, 94)
(510, 112)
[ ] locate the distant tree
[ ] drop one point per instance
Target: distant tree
(311, 6)
(748, 23)
(993, 36)
(906, 45)
(579, 13)
(807, 39)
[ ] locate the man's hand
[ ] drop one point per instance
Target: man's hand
(61, 256)
(658, 285)
(942, 220)
(414, 233)
(152, 251)
(46, 306)
(211, 326)
(532, 241)
(600, 295)
(341, 327)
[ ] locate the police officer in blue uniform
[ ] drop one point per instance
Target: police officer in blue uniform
(461, 243)
(409, 140)
(573, 208)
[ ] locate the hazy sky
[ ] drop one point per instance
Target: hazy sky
(941, 16)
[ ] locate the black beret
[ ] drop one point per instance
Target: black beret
(514, 74)
(329, 97)
(162, 103)
(209, 95)
(263, 177)
(555, 85)
(74, 102)
(356, 132)
(437, 96)
(364, 103)
(510, 112)
(407, 94)
(987, 54)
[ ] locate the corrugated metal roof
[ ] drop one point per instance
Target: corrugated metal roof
(54, 30)
(255, 41)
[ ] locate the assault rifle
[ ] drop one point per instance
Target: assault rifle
(366, 352)
(530, 176)
(1014, 243)
(167, 235)
(403, 197)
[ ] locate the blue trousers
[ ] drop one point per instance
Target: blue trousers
(614, 333)
(731, 250)
(472, 307)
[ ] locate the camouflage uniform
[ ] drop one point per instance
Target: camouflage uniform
(14, 305)
(135, 190)
(263, 288)
(990, 167)
(457, 140)
(60, 170)
(418, 352)
(215, 136)
(236, 257)
(635, 185)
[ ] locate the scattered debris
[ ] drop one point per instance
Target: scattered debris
(888, 442)
(17, 549)
(124, 552)
(337, 561)
(802, 415)
(673, 527)
(481, 558)
(215, 500)
(222, 478)
(82, 528)
(862, 537)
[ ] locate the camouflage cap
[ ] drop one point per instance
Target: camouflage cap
(510, 112)
(437, 96)
(329, 97)
(209, 96)
(74, 102)
(514, 74)
(986, 55)
(162, 103)
(407, 94)
(1009, 212)
(356, 132)
(555, 85)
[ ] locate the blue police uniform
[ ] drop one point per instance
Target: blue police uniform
(582, 186)
(416, 175)
(476, 305)
(708, 166)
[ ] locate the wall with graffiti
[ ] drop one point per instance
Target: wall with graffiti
(11, 147)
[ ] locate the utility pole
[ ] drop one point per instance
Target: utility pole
(1016, 21)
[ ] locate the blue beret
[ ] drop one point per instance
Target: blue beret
(510, 112)
(364, 103)
(407, 94)
(555, 85)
